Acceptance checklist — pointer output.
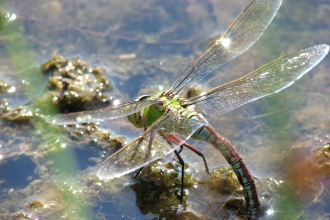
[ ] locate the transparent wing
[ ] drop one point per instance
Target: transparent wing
(268, 79)
(153, 144)
(111, 112)
(240, 36)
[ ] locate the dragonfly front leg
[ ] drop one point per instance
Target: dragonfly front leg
(208, 134)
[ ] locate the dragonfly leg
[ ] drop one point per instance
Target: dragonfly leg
(182, 172)
(175, 139)
(185, 144)
(198, 153)
(181, 147)
(138, 172)
(221, 143)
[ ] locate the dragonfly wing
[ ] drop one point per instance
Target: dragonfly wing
(268, 79)
(111, 112)
(240, 36)
(153, 144)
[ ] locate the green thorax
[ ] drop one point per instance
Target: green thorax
(153, 112)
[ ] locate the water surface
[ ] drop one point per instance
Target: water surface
(144, 46)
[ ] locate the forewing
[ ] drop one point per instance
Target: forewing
(240, 36)
(102, 114)
(151, 145)
(269, 79)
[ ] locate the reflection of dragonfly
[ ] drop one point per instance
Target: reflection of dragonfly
(169, 120)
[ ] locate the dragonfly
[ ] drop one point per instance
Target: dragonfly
(169, 120)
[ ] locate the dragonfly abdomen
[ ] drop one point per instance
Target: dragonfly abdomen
(208, 134)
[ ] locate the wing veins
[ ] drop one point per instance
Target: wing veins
(208, 61)
(268, 79)
(185, 81)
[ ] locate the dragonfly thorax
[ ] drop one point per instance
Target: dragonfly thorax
(150, 114)
(172, 104)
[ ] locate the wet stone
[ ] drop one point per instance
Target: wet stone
(158, 190)
(35, 204)
(3, 106)
(22, 216)
(223, 180)
(115, 144)
(74, 85)
(322, 160)
(91, 134)
(4, 87)
(20, 113)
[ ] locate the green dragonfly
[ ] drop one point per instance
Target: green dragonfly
(170, 120)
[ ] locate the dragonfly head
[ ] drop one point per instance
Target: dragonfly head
(137, 118)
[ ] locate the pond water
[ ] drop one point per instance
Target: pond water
(46, 172)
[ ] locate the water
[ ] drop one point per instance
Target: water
(144, 45)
